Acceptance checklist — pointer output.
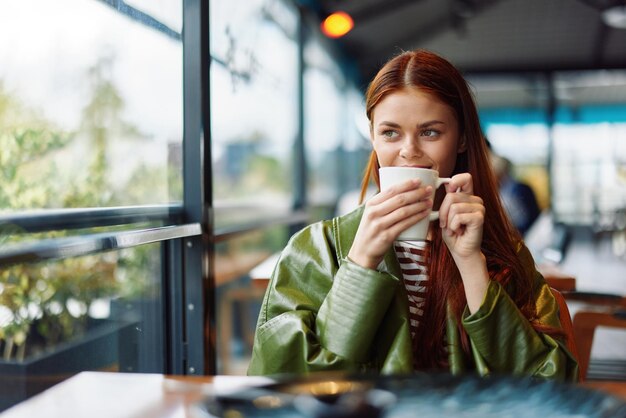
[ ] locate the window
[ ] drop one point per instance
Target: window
(324, 122)
(254, 108)
(91, 112)
(92, 242)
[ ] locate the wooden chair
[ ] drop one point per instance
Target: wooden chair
(600, 309)
(584, 326)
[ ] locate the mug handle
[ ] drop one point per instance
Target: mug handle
(434, 215)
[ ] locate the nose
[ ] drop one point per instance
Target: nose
(410, 150)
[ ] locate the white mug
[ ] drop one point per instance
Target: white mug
(394, 175)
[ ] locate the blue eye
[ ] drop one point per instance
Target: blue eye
(389, 133)
(431, 133)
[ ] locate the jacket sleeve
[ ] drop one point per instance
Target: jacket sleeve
(504, 341)
(318, 313)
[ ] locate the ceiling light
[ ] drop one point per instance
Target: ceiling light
(615, 17)
(337, 24)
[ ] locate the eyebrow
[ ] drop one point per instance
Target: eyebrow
(422, 125)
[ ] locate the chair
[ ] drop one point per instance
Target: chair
(600, 309)
(584, 326)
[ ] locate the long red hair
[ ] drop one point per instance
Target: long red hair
(435, 75)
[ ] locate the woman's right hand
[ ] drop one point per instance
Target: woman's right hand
(385, 216)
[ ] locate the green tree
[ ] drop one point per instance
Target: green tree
(41, 296)
(102, 120)
(27, 140)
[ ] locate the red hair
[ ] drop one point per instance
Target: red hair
(433, 74)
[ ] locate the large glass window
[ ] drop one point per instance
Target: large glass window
(254, 80)
(582, 132)
(90, 105)
(589, 151)
(526, 146)
(254, 108)
(324, 123)
(96, 312)
(91, 132)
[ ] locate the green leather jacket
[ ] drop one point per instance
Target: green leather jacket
(322, 312)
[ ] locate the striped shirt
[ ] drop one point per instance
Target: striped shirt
(413, 259)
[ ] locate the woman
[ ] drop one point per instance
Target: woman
(346, 295)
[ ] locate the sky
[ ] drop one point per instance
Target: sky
(47, 47)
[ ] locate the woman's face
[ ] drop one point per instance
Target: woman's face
(413, 128)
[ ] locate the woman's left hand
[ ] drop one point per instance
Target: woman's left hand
(461, 217)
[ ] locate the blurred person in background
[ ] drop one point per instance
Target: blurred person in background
(347, 295)
(518, 197)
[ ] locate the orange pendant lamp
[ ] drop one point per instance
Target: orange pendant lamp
(337, 24)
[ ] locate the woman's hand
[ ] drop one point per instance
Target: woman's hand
(386, 215)
(461, 217)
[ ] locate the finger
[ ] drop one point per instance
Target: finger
(397, 228)
(461, 182)
(452, 200)
(465, 207)
(462, 221)
(401, 200)
(409, 213)
(383, 196)
(402, 187)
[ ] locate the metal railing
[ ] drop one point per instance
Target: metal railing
(76, 246)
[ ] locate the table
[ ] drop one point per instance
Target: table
(262, 273)
(121, 395)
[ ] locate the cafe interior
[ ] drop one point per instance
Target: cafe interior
(157, 156)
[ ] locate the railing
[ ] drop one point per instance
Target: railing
(50, 220)
(77, 246)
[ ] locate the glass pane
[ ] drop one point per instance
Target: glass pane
(97, 312)
(588, 169)
(355, 153)
(254, 121)
(589, 152)
(324, 116)
(242, 270)
(526, 146)
(90, 104)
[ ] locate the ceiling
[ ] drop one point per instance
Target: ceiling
(483, 36)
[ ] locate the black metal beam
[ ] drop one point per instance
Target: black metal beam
(196, 249)
(142, 17)
(56, 219)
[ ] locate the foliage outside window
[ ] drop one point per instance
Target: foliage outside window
(254, 119)
(90, 116)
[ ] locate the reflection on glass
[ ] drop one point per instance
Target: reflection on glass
(323, 128)
(91, 113)
(585, 139)
(254, 121)
(588, 188)
(97, 312)
(242, 270)
(526, 146)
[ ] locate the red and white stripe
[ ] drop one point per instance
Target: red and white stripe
(413, 258)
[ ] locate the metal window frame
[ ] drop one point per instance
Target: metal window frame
(78, 246)
(185, 240)
(197, 282)
(188, 235)
(56, 219)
